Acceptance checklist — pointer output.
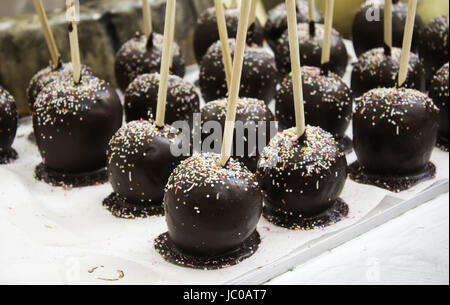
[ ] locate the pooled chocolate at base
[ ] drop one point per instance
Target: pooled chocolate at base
(393, 183)
(119, 207)
(66, 180)
(167, 249)
(8, 156)
(338, 210)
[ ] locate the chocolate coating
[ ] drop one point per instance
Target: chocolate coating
(369, 35)
(375, 69)
(206, 32)
(8, 121)
(139, 56)
(259, 73)
(328, 101)
(211, 209)
(73, 123)
(276, 23)
(434, 45)
(141, 99)
(311, 50)
(394, 130)
(248, 111)
(140, 161)
(440, 95)
(302, 176)
(48, 75)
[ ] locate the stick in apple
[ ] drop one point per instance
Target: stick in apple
(329, 10)
(233, 96)
(252, 14)
(50, 39)
(72, 17)
(261, 12)
(407, 41)
(223, 34)
(388, 27)
(234, 4)
(165, 62)
(296, 70)
(147, 17)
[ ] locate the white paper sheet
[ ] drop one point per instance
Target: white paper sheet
(73, 228)
(71, 231)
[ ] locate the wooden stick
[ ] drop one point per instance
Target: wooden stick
(165, 62)
(261, 12)
(223, 33)
(312, 10)
(235, 80)
(50, 39)
(147, 16)
(329, 10)
(252, 14)
(296, 70)
(72, 16)
(407, 41)
(388, 23)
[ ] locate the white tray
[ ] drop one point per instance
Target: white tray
(51, 235)
(71, 231)
(388, 209)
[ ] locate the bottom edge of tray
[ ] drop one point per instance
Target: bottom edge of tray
(390, 208)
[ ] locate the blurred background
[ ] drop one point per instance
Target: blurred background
(106, 24)
(428, 9)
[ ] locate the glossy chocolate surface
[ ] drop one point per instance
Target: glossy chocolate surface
(259, 74)
(139, 56)
(276, 23)
(140, 161)
(368, 33)
(376, 69)
(73, 123)
(206, 32)
(302, 177)
(211, 209)
(328, 101)
(141, 99)
(8, 121)
(394, 130)
(311, 50)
